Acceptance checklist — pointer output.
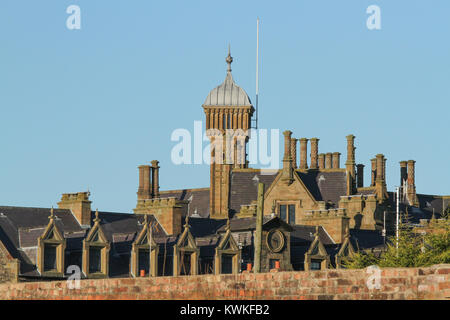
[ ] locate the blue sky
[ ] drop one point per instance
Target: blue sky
(81, 109)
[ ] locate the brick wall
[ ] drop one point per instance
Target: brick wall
(398, 283)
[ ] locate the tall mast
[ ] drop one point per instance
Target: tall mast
(257, 72)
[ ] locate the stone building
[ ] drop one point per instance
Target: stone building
(314, 212)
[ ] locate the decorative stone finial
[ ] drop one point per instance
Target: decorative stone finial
(145, 219)
(52, 214)
(186, 224)
(97, 219)
(228, 227)
(317, 232)
(229, 59)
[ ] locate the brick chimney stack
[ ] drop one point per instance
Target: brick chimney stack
(380, 183)
(145, 189)
(411, 183)
(374, 171)
(294, 152)
(80, 206)
(359, 175)
(328, 156)
(314, 153)
(303, 153)
(321, 161)
(336, 162)
(287, 173)
(350, 164)
(403, 172)
(155, 178)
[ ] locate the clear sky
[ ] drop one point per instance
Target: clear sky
(81, 109)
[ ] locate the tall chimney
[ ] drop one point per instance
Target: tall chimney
(336, 160)
(359, 175)
(144, 191)
(380, 162)
(350, 164)
(411, 183)
(314, 153)
(384, 169)
(155, 178)
(403, 172)
(294, 152)
(328, 160)
(380, 183)
(374, 171)
(287, 173)
(321, 161)
(303, 153)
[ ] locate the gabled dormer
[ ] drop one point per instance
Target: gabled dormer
(96, 252)
(185, 253)
(317, 257)
(228, 254)
(144, 252)
(345, 251)
(51, 246)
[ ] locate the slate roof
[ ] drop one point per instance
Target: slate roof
(244, 187)
(305, 234)
(427, 203)
(325, 186)
(364, 239)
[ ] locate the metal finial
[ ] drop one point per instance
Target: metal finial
(229, 59)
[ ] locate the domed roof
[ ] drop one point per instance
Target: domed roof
(228, 93)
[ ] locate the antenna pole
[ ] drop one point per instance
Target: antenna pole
(257, 69)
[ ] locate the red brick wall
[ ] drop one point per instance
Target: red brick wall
(399, 283)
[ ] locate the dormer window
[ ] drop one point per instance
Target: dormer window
(228, 254)
(186, 253)
(144, 253)
(96, 252)
(51, 247)
(316, 258)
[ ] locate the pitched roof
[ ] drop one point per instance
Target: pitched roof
(325, 185)
(305, 234)
(244, 187)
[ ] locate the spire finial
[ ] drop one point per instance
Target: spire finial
(229, 58)
(97, 219)
(52, 214)
(186, 225)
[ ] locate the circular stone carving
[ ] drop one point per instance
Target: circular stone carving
(275, 240)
